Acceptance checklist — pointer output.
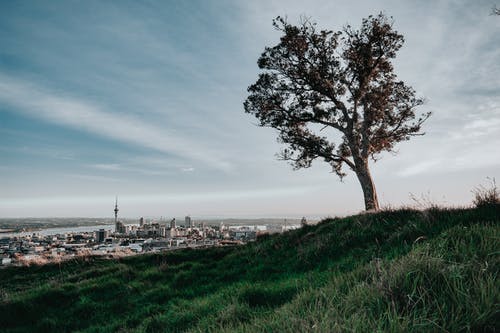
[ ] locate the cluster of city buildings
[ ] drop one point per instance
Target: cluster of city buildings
(126, 239)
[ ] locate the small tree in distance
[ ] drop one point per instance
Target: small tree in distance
(317, 84)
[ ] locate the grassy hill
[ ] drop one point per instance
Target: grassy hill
(403, 270)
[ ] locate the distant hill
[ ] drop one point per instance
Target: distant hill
(39, 223)
(402, 270)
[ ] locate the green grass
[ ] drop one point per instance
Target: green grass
(393, 271)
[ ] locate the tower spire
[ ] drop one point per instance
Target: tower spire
(116, 209)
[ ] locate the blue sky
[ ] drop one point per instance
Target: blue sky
(144, 100)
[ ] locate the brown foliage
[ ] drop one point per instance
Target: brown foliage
(342, 81)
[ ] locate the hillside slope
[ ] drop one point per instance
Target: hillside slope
(401, 270)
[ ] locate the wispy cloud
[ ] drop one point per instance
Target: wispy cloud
(453, 160)
(419, 168)
(52, 152)
(107, 167)
(94, 178)
(35, 101)
(131, 168)
(214, 196)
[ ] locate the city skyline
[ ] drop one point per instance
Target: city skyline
(144, 101)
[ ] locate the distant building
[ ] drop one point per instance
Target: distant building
(141, 221)
(244, 235)
(101, 235)
(170, 233)
(172, 224)
(188, 222)
(5, 261)
(120, 228)
(163, 231)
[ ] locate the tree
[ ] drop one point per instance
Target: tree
(322, 87)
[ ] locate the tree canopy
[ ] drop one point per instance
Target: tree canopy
(316, 83)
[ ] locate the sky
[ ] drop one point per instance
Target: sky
(144, 101)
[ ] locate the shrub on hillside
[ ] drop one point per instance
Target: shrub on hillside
(486, 195)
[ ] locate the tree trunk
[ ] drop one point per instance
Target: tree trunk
(366, 181)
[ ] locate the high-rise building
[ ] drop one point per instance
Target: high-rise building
(172, 223)
(188, 222)
(141, 221)
(120, 228)
(100, 235)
